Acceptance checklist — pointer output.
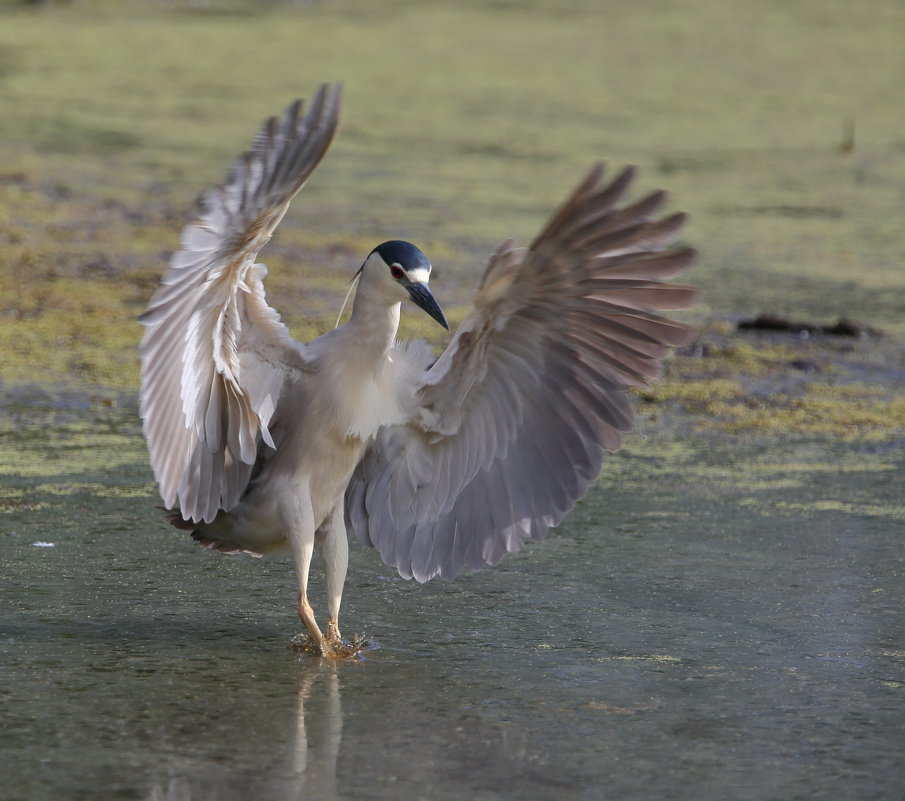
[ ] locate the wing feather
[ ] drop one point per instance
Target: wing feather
(215, 356)
(512, 421)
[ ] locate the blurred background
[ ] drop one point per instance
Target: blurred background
(777, 125)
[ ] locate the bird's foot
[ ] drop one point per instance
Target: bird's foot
(333, 635)
(332, 648)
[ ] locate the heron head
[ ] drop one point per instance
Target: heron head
(406, 272)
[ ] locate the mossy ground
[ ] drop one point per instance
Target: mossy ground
(464, 125)
(781, 385)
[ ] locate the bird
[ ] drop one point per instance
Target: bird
(263, 444)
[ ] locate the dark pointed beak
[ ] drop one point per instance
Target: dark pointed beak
(423, 297)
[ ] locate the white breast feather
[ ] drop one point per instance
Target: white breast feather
(365, 400)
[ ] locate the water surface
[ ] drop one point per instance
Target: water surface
(712, 622)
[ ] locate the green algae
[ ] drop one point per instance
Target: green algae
(777, 477)
(662, 659)
(50, 448)
(124, 115)
(890, 511)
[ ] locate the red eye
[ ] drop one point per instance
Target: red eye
(396, 271)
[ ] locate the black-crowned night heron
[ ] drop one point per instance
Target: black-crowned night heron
(263, 444)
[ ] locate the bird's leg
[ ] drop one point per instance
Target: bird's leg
(300, 524)
(333, 546)
(306, 615)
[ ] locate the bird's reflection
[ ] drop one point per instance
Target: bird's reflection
(317, 739)
(236, 735)
(306, 770)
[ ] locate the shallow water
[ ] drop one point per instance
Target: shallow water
(712, 622)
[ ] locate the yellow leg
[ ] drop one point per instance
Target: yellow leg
(333, 635)
(306, 615)
(298, 519)
(333, 546)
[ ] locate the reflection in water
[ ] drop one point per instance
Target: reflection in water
(308, 769)
(176, 790)
(314, 758)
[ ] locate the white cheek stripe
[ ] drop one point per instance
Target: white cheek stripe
(419, 276)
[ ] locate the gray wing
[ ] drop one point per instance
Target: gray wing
(215, 356)
(512, 421)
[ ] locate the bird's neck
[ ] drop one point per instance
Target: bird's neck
(366, 393)
(374, 321)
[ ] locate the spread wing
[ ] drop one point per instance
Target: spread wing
(214, 354)
(512, 421)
